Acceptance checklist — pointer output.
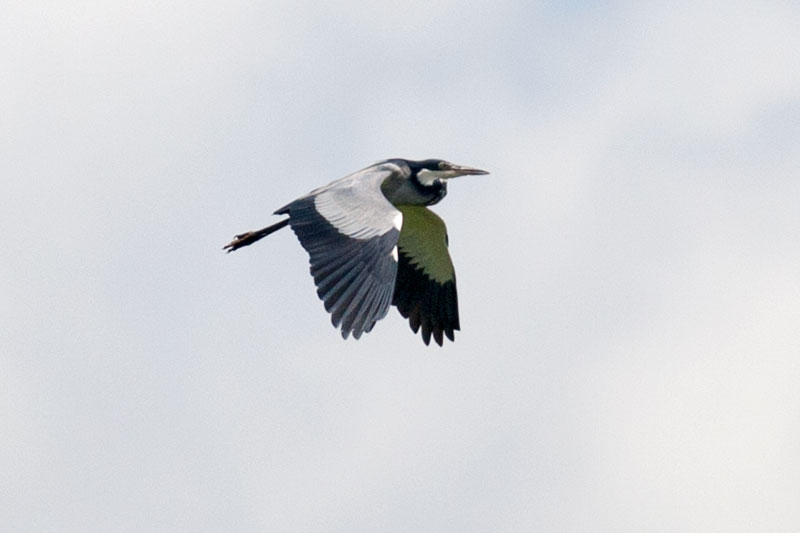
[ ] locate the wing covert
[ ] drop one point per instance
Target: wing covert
(350, 232)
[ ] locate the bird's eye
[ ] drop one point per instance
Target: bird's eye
(443, 165)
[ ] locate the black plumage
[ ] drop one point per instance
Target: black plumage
(372, 242)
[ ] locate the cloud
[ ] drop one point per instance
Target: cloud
(626, 273)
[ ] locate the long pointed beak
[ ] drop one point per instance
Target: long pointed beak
(458, 170)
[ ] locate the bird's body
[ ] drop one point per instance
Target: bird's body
(373, 243)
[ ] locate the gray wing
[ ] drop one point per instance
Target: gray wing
(425, 291)
(350, 232)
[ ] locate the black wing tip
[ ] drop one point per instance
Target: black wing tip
(354, 332)
(438, 335)
(428, 304)
(419, 323)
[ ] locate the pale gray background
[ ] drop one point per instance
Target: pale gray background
(629, 274)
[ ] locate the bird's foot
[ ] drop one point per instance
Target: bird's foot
(243, 239)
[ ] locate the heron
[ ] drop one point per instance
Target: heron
(373, 243)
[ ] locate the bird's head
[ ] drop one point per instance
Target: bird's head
(431, 171)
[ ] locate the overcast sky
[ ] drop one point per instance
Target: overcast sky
(629, 273)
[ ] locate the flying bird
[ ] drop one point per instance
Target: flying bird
(373, 243)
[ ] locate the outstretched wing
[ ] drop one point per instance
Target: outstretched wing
(350, 232)
(425, 290)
